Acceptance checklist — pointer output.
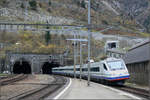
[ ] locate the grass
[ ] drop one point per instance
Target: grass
(145, 34)
(3, 74)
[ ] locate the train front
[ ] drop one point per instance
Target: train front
(118, 71)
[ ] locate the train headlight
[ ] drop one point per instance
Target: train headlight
(125, 72)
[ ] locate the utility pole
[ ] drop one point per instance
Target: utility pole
(75, 42)
(26, 10)
(80, 60)
(149, 75)
(74, 56)
(89, 40)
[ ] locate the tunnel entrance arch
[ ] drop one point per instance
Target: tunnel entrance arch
(22, 67)
(47, 67)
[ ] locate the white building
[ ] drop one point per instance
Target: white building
(111, 45)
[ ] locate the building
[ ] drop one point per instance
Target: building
(111, 45)
(137, 60)
(116, 53)
(112, 49)
(1, 45)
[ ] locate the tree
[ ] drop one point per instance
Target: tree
(47, 36)
(22, 6)
(50, 3)
(105, 22)
(33, 4)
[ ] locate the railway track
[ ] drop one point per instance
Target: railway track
(7, 76)
(43, 92)
(11, 79)
(139, 92)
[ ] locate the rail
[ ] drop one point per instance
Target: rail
(43, 92)
(139, 92)
(12, 79)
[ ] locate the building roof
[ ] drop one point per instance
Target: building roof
(138, 53)
(140, 44)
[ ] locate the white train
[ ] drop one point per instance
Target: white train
(108, 71)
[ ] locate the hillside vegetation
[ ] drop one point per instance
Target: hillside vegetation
(29, 42)
(126, 17)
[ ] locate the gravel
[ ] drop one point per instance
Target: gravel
(31, 83)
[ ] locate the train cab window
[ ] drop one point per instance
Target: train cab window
(105, 67)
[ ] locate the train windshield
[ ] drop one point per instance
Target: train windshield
(116, 65)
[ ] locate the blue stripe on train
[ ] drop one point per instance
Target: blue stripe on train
(99, 77)
(112, 78)
(109, 78)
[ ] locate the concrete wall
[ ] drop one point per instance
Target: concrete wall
(35, 60)
(138, 73)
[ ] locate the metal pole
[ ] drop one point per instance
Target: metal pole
(26, 10)
(74, 57)
(149, 73)
(32, 67)
(89, 40)
(80, 60)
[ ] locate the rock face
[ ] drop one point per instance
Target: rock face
(134, 9)
(69, 11)
(19, 10)
(130, 9)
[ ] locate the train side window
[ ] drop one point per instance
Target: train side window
(78, 69)
(84, 69)
(96, 69)
(105, 67)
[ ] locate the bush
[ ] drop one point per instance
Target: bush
(33, 4)
(50, 3)
(22, 6)
(105, 22)
(4, 3)
(49, 10)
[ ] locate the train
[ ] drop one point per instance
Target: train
(111, 71)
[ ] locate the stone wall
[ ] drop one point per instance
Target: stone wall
(35, 60)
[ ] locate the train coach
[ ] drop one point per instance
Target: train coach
(108, 71)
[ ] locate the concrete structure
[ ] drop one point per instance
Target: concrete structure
(112, 49)
(79, 90)
(32, 63)
(116, 53)
(137, 61)
(111, 45)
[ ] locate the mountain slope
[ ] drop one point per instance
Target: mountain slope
(129, 16)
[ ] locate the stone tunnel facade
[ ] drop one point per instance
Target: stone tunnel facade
(32, 63)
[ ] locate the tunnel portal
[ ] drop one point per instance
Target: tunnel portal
(47, 67)
(22, 67)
